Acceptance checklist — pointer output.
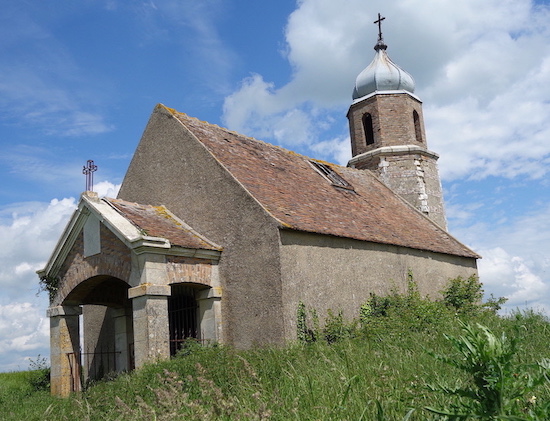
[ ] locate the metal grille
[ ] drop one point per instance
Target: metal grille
(182, 316)
(101, 362)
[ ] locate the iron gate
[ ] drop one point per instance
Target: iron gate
(182, 316)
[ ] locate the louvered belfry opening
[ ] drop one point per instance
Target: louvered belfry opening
(182, 316)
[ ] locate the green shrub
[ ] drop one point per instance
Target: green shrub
(39, 375)
(403, 311)
(463, 295)
(337, 329)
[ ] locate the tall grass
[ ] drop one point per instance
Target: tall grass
(379, 368)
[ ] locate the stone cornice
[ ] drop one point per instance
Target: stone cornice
(375, 93)
(392, 150)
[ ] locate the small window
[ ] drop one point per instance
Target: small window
(367, 127)
(331, 175)
(417, 129)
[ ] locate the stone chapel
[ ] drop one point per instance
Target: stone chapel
(218, 236)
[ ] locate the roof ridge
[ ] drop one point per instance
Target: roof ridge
(175, 113)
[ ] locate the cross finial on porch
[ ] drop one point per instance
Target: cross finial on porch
(88, 170)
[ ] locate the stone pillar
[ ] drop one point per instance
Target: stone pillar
(150, 315)
(210, 326)
(123, 337)
(64, 349)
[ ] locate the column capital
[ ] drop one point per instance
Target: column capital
(206, 294)
(149, 289)
(64, 311)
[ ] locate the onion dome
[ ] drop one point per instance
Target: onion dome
(382, 75)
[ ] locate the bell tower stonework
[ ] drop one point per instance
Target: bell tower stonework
(388, 136)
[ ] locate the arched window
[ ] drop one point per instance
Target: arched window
(367, 127)
(417, 129)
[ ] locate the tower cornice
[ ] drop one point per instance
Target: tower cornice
(392, 150)
(393, 92)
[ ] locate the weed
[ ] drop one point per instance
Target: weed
(337, 329)
(39, 376)
(500, 388)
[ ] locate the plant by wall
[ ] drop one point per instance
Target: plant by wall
(304, 332)
(49, 284)
(500, 388)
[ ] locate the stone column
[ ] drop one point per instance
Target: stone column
(150, 315)
(64, 349)
(123, 337)
(210, 325)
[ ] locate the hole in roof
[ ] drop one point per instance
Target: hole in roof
(336, 179)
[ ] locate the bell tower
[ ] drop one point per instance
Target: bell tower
(388, 136)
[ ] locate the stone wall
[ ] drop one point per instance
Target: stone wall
(114, 260)
(188, 269)
(335, 273)
(399, 154)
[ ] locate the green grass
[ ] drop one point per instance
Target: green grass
(379, 373)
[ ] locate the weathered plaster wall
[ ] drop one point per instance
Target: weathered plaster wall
(335, 273)
(171, 167)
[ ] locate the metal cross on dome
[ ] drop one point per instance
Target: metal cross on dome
(379, 22)
(88, 170)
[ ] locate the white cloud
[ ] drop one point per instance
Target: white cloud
(107, 189)
(482, 68)
(514, 278)
(516, 256)
(337, 147)
(24, 334)
(258, 110)
(29, 232)
(507, 136)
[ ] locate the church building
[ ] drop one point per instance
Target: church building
(218, 236)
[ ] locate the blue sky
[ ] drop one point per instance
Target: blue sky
(78, 81)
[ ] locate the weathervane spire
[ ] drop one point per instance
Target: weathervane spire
(88, 170)
(380, 44)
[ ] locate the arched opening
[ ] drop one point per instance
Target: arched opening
(417, 128)
(183, 315)
(368, 129)
(108, 340)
